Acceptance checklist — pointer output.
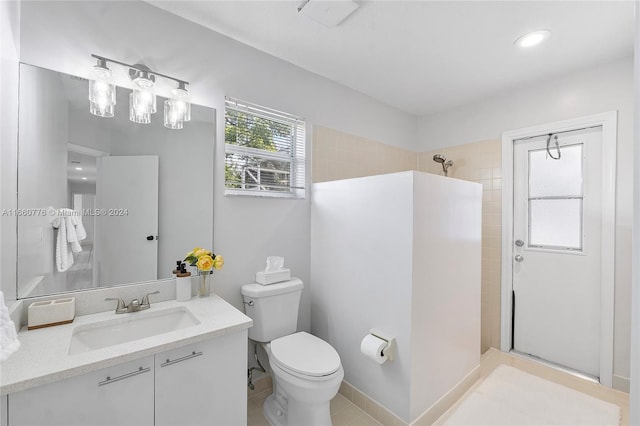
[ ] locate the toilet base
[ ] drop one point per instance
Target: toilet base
(274, 412)
(277, 411)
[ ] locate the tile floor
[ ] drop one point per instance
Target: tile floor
(493, 358)
(343, 412)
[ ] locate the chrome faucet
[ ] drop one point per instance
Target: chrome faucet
(134, 306)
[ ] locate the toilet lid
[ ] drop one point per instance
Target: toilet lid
(305, 354)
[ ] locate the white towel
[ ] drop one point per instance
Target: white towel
(80, 231)
(70, 231)
(64, 257)
(8, 337)
(72, 237)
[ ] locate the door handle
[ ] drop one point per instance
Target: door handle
(151, 237)
(518, 258)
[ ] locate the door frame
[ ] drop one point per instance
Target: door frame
(608, 121)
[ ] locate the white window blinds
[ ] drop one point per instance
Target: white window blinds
(264, 151)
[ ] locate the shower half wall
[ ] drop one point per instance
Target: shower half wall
(401, 253)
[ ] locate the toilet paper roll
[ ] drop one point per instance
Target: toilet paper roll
(372, 348)
(183, 289)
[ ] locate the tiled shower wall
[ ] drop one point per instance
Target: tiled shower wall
(338, 155)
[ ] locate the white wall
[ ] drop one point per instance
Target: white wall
(604, 88)
(9, 57)
(445, 302)
(634, 397)
(42, 177)
(386, 253)
(361, 263)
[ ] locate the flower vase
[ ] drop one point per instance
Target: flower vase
(204, 287)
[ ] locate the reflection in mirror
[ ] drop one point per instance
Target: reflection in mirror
(105, 201)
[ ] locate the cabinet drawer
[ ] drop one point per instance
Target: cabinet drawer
(118, 395)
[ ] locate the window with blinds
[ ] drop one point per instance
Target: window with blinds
(264, 151)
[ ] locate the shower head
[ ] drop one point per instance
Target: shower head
(439, 158)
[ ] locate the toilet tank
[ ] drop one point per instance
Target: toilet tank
(273, 308)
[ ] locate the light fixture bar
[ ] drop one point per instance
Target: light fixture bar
(102, 58)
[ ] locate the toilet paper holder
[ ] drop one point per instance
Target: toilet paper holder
(390, 349)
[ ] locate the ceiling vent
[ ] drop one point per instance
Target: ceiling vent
(328, 13)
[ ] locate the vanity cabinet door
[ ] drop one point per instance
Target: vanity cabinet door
(203, 383)
(3, 410)
(114, 396)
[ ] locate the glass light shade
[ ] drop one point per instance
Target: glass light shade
(143, 101)
(181, 99)
(139, 116)
(173, 115)
(101, 110)
(187, 110)
(102, 94)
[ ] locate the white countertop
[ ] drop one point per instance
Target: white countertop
(44, 357)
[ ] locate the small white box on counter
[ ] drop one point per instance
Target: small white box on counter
(266, 278)
(51, 312)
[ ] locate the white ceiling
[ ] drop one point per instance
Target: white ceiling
(427, 56)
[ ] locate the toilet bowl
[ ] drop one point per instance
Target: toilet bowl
(307, 374)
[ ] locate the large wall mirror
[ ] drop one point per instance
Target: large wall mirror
(141, 192)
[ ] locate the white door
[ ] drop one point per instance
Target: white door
(557, 248)
(126, 247)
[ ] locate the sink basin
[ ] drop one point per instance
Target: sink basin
(130, 327)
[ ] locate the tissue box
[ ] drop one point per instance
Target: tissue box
(266, 278)
(52, 312)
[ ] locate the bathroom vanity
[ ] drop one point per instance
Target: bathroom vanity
(130, 369)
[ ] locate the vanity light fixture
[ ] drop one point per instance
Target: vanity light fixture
(142, 99)
(102, 93)
(533, 38)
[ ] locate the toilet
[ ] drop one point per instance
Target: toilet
(306, 370)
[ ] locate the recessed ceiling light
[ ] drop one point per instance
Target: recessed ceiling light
(531, 39)
(78, 168)
(83, 178)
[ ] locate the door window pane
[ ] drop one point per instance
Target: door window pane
(549, 177)
(555, 223)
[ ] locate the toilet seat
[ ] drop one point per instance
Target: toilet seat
(303, 354)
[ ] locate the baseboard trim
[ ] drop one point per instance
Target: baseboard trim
(621, 383)
(369, 405)
(447, 401)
